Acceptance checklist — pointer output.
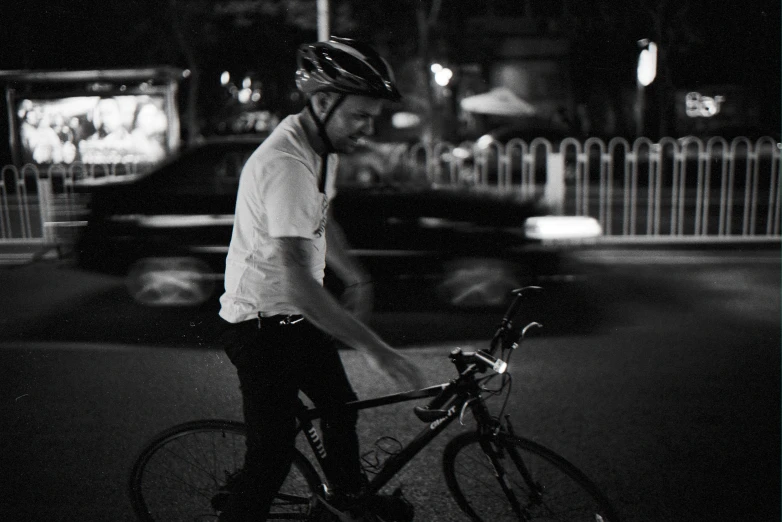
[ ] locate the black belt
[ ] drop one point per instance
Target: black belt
(279, 320)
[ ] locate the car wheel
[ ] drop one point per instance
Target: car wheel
(170, 281)
(474, 283)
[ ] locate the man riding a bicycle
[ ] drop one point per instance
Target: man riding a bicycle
(280, 322)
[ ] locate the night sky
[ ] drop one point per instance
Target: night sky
(731, 41)
(740, 40)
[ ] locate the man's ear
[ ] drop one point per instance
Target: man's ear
(321, 102)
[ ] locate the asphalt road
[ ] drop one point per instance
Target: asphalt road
(662, 383)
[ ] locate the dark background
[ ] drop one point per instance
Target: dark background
(701, 42)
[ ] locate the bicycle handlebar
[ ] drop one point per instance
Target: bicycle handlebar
(464, 361)
(510, 314)
(513, 309)
(480, 360)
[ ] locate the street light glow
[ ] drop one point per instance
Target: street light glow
(647, 64)
(443, 76)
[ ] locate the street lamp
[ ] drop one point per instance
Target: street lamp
(646, 73)
(324, 24)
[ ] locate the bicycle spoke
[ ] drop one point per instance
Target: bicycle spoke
(195, 461)
(195, 489)
(178, 475)
(467, 470)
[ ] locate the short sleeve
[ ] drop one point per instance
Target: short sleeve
(294, 207)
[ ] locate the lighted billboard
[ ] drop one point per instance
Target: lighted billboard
(107, 117)
(93, 129)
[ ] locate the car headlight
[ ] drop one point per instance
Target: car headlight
(562, 228)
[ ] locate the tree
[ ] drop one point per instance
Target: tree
(240, 36)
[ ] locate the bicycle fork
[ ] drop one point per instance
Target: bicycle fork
(494, 456)
(494, 449)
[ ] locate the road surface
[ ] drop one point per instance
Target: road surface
(670, 402)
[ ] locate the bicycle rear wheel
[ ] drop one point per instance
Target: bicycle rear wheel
(541, 484)
(177, 474)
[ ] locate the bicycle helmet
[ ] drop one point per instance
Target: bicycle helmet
(345, 66)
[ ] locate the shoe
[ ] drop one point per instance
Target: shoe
(233, 485)
(392, 508)
(233, 508)
(230, 502)
(321, 513)
(383, 508)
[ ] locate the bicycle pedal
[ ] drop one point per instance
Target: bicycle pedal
(342, 516)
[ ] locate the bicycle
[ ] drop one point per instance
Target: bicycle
(493, 474)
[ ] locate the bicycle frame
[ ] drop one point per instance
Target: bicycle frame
(463, 392)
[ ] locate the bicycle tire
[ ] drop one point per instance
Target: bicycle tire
(176, 475)
(557, 489)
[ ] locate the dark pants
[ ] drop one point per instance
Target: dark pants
(274, 363)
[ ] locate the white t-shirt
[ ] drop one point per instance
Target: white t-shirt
(278, 196)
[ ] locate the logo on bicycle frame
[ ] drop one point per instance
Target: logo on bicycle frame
(449, 414)
(317, 442)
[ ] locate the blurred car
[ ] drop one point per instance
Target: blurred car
(479, 159)
(529, 128)
(168, 232)
(375, 162)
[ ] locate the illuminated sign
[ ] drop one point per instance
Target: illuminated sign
(699, 106)
(94, 129)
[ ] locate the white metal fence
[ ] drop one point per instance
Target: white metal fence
(671, 190)
(40, 210)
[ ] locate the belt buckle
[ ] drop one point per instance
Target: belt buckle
(288, 321)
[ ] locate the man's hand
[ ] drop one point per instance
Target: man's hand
(396, 366)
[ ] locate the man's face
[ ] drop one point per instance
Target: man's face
(352, 121)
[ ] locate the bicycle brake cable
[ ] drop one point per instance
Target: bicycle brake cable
(507, 396)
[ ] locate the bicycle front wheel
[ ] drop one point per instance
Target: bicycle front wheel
(504, 478)
(177, 474)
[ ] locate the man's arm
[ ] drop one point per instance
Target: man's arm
(322, 309)
(358, 296)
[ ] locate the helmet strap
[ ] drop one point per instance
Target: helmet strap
(321, 125)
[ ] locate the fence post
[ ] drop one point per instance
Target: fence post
(554, 191)
(45, 206)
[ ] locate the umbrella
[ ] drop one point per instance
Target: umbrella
(500, 101)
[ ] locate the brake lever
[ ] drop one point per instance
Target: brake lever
(464, 410)
(533, 324)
